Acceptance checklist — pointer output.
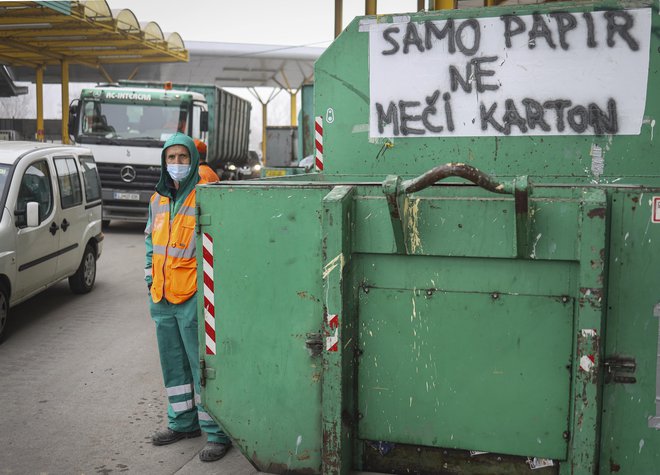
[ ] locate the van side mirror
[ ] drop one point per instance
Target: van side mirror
(73, 116)
(204, 121)
(32, 214)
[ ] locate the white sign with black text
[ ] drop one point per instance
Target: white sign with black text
(540, 74)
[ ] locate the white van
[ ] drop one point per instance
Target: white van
(50, 220)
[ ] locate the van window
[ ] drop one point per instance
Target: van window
(69, 182)
(91, 179)
(35, 186)
(4, 173)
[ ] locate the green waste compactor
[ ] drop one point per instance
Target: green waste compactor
(471, 285)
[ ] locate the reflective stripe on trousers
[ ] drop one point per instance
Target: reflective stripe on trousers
(176, 331)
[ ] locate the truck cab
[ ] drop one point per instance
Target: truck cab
(126, 128)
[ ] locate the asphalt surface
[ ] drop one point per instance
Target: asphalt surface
(81, 390)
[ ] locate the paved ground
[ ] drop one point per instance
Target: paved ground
(80, 382)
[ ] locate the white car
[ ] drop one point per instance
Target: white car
(50, 220)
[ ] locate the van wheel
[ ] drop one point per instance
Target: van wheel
(4, 309)
(83, 280)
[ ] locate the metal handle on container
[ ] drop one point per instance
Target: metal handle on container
(397, 191)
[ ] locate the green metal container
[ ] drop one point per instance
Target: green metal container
(461, 301)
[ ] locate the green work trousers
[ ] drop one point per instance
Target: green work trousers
(176, 331)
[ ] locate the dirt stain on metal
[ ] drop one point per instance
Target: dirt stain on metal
(411, 211)
(304, 295)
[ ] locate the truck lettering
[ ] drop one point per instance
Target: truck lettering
(130, 96)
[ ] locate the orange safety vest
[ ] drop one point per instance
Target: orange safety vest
(207, 173)
(174, 264)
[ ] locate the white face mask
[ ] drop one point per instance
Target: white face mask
(178, 172)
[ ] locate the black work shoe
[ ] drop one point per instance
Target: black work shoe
(213, 451)
(169, 436)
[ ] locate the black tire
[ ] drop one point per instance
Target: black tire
(4, 309)
(83, 280)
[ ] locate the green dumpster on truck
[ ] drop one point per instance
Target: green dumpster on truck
(472, 284)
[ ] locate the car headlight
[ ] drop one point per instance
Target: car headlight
(231, 167)
(257, 168)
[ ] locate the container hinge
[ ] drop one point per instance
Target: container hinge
(202, 219)
(205, 373)
(314, 344)
(620, 369)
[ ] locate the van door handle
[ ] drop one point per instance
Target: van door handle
(65, 224)
(53, 228)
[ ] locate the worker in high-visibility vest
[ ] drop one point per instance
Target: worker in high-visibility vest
(205, 171)
(171, 277)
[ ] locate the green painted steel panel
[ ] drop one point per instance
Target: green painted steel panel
(466, 370)
(630, 443)
(266, 387)
(446, 225)
(456, 274)
(570, 271)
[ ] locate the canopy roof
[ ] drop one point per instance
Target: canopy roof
(83, 32)
(7, 86)
(223, 64)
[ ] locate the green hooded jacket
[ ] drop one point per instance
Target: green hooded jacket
(165, 187)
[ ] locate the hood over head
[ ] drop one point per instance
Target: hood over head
(191, 180)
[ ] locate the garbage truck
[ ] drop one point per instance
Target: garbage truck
(126, 125)
(471, 285)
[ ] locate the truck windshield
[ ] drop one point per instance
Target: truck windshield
(116, 121)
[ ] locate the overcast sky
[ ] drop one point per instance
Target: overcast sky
(277, 22)
(273, 22)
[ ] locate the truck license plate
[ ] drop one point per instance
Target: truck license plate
(127, 196)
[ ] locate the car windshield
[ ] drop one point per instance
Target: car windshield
(133, 121)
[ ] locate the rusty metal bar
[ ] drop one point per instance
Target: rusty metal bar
(396, 193)
(454, 169)
(65, 102)
(370, 7)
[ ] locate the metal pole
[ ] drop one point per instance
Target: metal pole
(40, 136)
(294, 115)
(370, 7)
(264, 122)
(420, 5)
(338, 17)
(444, 4)
(65, 101)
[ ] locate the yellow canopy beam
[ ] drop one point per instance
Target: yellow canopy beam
(41, 136)
(65, 101)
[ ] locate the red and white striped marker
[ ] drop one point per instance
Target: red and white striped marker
(333, 321)
(587, 363)
(318, 126)
(332, 341)
(209, 296)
